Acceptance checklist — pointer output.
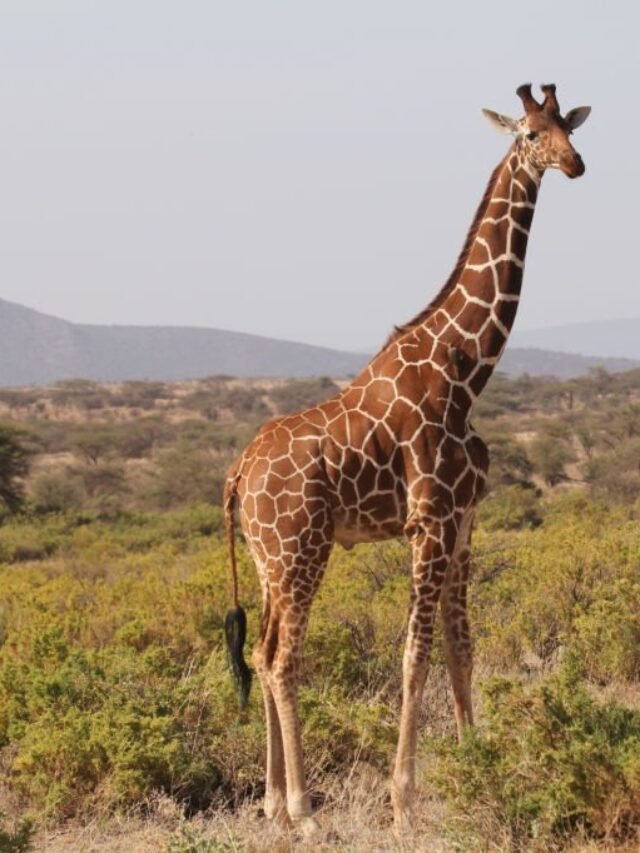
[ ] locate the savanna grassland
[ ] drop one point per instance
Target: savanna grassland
(119, 727)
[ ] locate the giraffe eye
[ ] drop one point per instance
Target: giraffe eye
(532, 135)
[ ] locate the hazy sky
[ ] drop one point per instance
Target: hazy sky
(304, 169)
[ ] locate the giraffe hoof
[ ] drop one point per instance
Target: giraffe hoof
(280, 819)
(308, 826)
(403, 819)
(275, 811)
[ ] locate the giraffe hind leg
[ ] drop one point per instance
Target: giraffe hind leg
(278, 659)
(275, 796)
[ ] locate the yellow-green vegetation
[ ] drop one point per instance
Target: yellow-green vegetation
(548, 762)
(114, 685)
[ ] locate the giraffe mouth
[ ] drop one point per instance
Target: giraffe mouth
(574, 168)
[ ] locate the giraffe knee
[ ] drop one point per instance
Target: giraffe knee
(286, 666)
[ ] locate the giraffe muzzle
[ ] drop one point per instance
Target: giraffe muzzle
(574, 168)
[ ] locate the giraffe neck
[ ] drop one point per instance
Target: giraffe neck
(475, 311)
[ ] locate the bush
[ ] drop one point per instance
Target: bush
(56, 491)
(140, 395)
(532, 588)
(92, 444)
(510, 463)
(135, 439)
(185, 475)
(113, 678)
(219, 398)
(83, 393)
(550, 453)
(14, 464)
(615, 474)
(24, 539)
(606, 636)
(548, 763)
(511, 508)
(104, 484)
(17, 838)
(116, 722)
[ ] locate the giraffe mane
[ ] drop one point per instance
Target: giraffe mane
(452, 281)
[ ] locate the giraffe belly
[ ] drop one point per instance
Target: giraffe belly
(352, 527)
(350, 536)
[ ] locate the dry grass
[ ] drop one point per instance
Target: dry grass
(358, 822)
(359, 819)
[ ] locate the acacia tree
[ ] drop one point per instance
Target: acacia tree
(14, 465)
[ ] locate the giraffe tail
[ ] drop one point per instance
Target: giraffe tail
(235, 625)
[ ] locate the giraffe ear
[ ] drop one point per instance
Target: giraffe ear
(574, 118)
(500, 122)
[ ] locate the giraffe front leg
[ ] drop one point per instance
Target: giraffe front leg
(432, 544)
(457, 637)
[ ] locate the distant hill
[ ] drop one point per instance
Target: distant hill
(37, 349)
(613, 338)
(563, 365)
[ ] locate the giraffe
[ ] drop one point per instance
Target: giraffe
(392, 454)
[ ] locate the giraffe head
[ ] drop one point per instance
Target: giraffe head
(542, 134)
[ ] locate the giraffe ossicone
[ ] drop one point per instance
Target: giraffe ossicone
(393, 454)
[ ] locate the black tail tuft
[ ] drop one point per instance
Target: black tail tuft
(235, 628)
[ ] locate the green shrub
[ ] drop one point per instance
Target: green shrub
(188, 839)
(551, 452)
(25, 539)
(14, 464)
(510, 463)
(92, 444)
(615, 473)
(115, 724)
(140, 395)
(113, 677)
(184, 475)
(58, 490)
(338, 729)
(547, 763)
(105, 485)
(531, 587)
(114, 682)
(17, 838)
(606, 636)
(511, 508)
(217, 399)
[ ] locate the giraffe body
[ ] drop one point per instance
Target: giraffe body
(394, 454)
